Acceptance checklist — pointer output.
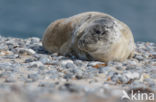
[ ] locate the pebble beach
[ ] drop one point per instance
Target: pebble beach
(28, 73)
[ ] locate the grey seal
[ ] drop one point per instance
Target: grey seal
(90, 36)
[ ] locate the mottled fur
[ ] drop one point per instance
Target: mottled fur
(90, 36)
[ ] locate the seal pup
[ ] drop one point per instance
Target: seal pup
(90, 36)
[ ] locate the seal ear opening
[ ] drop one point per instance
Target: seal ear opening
(97, 31)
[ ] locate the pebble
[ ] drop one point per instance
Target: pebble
(93, 63)
(139, 57)
(46, 84)
(64, 62)
(34, 77)
(53, 74)
(29, 60)
(76, 71)
(68, 76)
(150, 82)
(104, 69)
(5, 74)
(10, 79)
(5, 66)
(34, 40)
(35, 64)
(70, 65)
(69, 87)
(45, 59)
(137, 84)
(132, 75)
(26, 51)
(14, 56)
(42, 68)
(78, 63)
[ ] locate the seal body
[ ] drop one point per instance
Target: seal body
(90, 36)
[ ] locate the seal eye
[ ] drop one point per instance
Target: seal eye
(97, 32)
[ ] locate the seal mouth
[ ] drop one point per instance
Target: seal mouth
(85, 47)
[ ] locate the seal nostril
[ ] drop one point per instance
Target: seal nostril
(97, 32)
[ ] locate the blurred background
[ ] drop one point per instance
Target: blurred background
(29, 18)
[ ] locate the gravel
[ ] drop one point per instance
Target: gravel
(28, 73)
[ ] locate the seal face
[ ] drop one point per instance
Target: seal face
(100, 32)
(90, 36)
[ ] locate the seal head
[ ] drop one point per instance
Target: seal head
(98, 36)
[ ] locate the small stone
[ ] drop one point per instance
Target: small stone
(130, 62)
(54, 54)
(70, 87)
(26, 51)
(76, 71)
(35, 64)
(70, 65)
(29, 60)
(45, 59)
(68, 76)
(79, 63)
(34, 77)
(93, 71)
(5, 53)
(64, 62)
(4, 66)
(132, 75)
(104, 69)
(5, 74)
(115, 77)
(46, 84)
(145, 76)
(78, 77)
(150, 82)
(10, 79)
(29, 80)
(42, 68)
(14, 56)
(153, 76)
(137, 84)
(112, 73)
(88, 75)
(3, 47)
(9, 67)
(52, 74)
(37, 56)
(93, 63)
(53, 71)
(139, 58)
(34, 40)
(119, 67)
(130, 67)
(153, 56)
(53, 62)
